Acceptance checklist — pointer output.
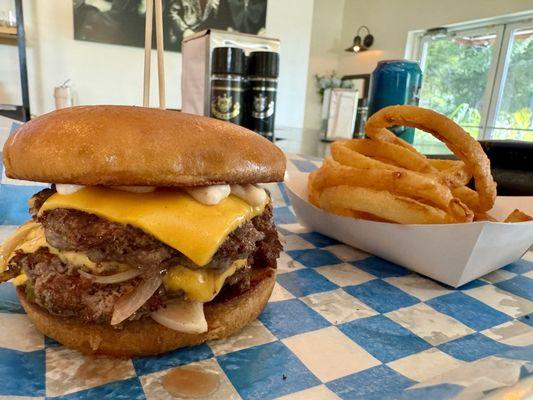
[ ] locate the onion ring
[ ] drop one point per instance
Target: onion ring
(387, 136)
(458, 141)
(456, 176)
(518, 216)
(351, 158)
(383, 204)
(311, 191)
(467, 196)
(397, 155)
(484, 217)
(443, 165)
(451, 173)
(402, 183)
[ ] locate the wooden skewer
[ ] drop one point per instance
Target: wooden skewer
(147, 51)
(160, 50)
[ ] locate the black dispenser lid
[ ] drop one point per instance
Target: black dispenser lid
(228, 60)
(263, 63)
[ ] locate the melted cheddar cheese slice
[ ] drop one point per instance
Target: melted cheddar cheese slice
(199, 285)
(172, 216)
(19, 280)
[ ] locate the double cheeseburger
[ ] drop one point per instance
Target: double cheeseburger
(154, 234)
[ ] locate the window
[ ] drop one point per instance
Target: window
(482, 78)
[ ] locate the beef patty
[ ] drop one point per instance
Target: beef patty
(103, 240)
(59, 288)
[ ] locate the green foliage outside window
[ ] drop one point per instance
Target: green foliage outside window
(455, 78)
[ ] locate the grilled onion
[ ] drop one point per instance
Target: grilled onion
(182, 316)
(109, 279)
(130, 302)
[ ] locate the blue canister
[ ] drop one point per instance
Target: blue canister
(395, 82)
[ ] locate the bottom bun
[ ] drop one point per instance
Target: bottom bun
(225, 316)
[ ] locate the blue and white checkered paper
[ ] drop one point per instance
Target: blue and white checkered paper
(340, 324)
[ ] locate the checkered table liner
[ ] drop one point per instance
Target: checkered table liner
(340, 324)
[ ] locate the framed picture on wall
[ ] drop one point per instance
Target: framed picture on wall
(360, 82)
(122, 21)
(341, 115)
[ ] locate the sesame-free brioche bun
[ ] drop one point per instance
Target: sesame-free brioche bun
(146, 337)
(125, 145)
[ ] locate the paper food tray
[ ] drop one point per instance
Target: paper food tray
(453, 254)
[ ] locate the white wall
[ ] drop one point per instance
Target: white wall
(9, 75)
(324, 52)
(99, 73)
(110, 74)
(290, 21)
(103, 73)
(390, 21)
(335, 23)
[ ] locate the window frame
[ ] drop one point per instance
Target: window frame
(501, 73)
(503, 28)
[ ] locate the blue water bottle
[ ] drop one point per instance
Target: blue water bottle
(395, 82)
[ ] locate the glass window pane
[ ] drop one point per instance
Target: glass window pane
(514, 116)
(455, 76)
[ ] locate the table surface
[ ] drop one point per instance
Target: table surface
(309, 142)
(340, 324)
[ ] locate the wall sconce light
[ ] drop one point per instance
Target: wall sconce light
(361, 43)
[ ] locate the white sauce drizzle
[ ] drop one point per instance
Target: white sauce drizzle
(211, 195)
(251, 194)
(64, 188)
(208, 195)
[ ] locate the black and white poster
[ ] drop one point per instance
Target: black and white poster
(122, 21)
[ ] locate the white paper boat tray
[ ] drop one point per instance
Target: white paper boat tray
(453, 254)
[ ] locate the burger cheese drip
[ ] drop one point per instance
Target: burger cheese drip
(199, 285)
